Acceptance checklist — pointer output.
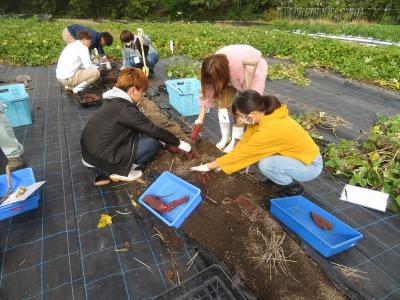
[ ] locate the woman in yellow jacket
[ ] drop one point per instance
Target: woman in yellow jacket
(285, 153)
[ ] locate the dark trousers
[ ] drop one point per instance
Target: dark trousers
(147, 148)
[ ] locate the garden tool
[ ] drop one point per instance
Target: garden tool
(8, 174)
(145, 68)
(20, 79)
(24, 79)
(237, 131)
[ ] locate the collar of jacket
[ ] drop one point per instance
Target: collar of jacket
(280, 113)
(117, 93)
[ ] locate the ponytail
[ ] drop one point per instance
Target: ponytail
(271, 103)
(251, 100)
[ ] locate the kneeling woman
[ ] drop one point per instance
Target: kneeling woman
(118, 137)
(285, 153)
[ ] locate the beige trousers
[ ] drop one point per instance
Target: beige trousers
(91, 75)
(67, 37)
(227, 98)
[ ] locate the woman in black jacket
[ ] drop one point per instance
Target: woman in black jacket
(118, 137)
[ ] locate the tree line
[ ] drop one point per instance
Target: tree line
(373, 10)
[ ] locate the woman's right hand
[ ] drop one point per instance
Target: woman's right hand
(197, 128)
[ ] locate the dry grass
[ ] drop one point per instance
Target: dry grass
(267, 252)
(350, 272)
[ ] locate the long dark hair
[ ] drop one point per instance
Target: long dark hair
(251, 100)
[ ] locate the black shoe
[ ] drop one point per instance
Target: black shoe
(292, 189)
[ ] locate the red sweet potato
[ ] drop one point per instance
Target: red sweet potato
(175, 203)
(196, 131)
(155, 203)
(321, 222)
(173, 149)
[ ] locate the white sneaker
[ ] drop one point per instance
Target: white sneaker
(80, 87)
(68, 88)
(237, 133)
(132, 176)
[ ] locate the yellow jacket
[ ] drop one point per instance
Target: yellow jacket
(276, 133)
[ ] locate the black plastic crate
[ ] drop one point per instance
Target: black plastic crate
(209, 284)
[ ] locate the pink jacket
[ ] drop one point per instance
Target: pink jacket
(236, 54)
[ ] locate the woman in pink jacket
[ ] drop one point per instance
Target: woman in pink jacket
(222, 75)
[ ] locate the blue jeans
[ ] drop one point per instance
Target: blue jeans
(283, 170)
(151, 60)
(147, 147)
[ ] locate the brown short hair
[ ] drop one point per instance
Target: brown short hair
(132, 77)
(83, 34)
(126, 36)
(215, 73)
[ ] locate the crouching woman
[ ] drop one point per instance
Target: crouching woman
(118, 138)
(285, 152)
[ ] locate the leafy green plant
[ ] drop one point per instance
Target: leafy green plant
(374, 30)
(184, 70)
(38, 43)
(375, 163)
(292, 72)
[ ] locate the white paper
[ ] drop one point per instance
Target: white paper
(29, 191)
(365, 197)
(136, 59)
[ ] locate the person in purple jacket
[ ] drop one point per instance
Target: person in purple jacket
(99, 39)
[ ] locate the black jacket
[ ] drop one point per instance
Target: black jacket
(110, 136)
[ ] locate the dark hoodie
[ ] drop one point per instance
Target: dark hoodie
(110, 136)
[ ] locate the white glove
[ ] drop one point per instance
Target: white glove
(197, 122)
(108, 66)
(201, 168)
(185, 146)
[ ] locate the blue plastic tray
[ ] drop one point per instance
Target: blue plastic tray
(294, 212)
(16, 102)
(23, 177)
(175, 188)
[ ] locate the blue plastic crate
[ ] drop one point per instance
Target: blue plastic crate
(23, 177)
(16, 104)
(184, 95)
(167, 184)
(294, 212)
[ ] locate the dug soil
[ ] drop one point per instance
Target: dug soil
(231, 224)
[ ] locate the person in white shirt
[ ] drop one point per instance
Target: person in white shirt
(75, 70)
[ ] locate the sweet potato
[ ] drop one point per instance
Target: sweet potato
(173, 149)
(155, 203)
(321, 222)
(91, 98)
(175, 203)
(196, 131)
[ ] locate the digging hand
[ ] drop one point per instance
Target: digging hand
(200, 168)
(197, 128)
(184, 146)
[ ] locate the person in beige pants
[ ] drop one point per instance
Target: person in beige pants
(75, 70)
